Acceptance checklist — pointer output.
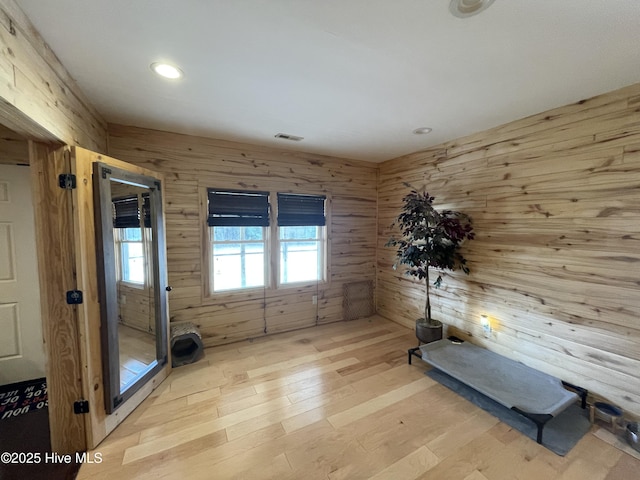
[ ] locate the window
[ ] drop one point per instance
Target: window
(240, 250)
(131, 250)
(131, 240)
(237, 223)
(301, 238)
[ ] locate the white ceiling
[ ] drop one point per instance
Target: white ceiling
(353, 77)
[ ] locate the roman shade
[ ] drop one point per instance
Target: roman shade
(126, 211)
(295, 210)
(234, 208)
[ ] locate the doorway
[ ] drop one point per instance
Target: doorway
(22, 357)
(24, 412)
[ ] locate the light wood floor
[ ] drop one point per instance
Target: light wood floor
(334, 402)
(137, 350)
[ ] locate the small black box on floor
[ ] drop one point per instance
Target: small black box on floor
(186, 344)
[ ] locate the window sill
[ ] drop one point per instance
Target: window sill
(137, 286)
(261, 293)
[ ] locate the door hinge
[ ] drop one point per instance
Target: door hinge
(74, 297)
(81, 406)
(67, 181)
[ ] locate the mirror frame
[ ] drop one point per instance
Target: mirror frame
(103, 174)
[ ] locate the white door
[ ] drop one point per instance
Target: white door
(21, 345)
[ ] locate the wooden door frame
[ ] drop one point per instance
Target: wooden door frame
(53, 212)
(99, 423)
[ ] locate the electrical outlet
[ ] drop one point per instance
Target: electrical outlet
(314, 300)
(487, 330)
(486, 326)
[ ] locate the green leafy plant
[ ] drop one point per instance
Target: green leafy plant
(429, 239)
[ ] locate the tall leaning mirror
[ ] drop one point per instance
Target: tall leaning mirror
(132, 280)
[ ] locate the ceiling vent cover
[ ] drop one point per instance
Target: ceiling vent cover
(291, 138)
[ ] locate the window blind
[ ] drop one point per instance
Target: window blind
(146, 208)
(126, 211)
(295, 210)
(234, 208)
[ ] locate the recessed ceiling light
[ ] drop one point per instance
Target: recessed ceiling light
(467, 8)
(167, 71)
(422, 130)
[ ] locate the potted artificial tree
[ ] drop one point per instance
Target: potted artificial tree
(429, 239)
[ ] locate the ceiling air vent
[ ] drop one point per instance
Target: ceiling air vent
(286, 136)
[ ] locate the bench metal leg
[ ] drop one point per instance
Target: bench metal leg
(540, 419)
(582, 392)
(412, 352)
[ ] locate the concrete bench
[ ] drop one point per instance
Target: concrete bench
(529, 392)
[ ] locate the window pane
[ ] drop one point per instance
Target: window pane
(226, 272)
(300, 261)
(226, 234)
(253, 233)
(238, 258)
(132, 262)
(131, 234)
(225, 249)
(299, 233)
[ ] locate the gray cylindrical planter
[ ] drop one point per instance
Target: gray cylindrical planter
(428, 332)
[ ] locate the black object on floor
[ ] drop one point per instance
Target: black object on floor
(560, 434)
(24, 437)
(23, 397)
(186, 344)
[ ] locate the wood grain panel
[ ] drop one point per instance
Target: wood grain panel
(191, 164)
(38, 97)
(555, 200)
(14, 148)
(55, 240)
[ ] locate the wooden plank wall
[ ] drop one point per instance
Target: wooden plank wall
(136, 307)
(191, 164)
(38, 97)
(14, 148)
(555, 200)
